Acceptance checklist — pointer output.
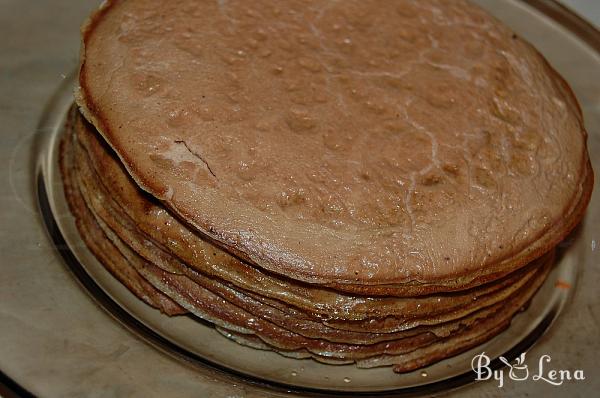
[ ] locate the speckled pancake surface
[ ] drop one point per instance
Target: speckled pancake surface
(247, 325)
(358, 143)
(112, 196)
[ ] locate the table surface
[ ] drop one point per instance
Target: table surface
(38, 47)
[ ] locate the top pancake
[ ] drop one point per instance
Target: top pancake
(354, 142)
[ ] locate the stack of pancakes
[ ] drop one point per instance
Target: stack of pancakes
(379, 183)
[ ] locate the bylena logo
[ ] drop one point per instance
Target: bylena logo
(519, 371)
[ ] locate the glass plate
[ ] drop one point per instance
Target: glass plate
(199, 344)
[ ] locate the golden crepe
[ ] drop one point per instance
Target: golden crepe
(370, 182)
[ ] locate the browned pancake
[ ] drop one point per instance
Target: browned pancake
(473, 334)
(398, 314)
(199, 301)
(372, 146)
(102, 248)
(202, 302)
(295, 320)
(184, 288)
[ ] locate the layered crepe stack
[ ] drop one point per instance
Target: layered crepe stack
(379, 183)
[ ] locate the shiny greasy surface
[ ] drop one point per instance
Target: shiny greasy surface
(148, 222)
(146, 228)
(356, 142)
(222, 306)
(105, 251)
